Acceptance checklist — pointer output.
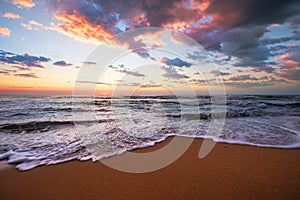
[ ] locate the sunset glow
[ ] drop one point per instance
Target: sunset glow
(44, 44)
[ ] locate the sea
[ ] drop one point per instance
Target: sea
(46, 130)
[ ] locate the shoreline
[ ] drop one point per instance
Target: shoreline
(229, 171)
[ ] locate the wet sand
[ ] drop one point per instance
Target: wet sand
(228, 172)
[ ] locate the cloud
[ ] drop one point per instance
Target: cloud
(77, 26)
(89, 63)
(33, 25)
(11, 15)
(196, 55)
(21, 68)
(7, 71)
(93, 82)
(112, 67)
(243, 78)
(4, 72)
(175, 62)
(4, 32)
(132, 73)
(199, 81)
(219, 73)
(249, 84)
(246, 81)
(272, 41)
(234, 28)
(266, 69)
(123, 84)
(292, 74)
(25, 60)
(142, 52)
(289, 59)
(27, 75)
(62, 63)
(172, 73)
(10, 72)
(151, 85)
(23, 3)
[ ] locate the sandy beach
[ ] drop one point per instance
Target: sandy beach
(228, 172)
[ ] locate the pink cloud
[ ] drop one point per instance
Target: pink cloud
(286, 61)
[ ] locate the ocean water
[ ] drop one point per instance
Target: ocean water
(48, 130)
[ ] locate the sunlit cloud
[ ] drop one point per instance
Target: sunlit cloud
(23, 3)
(202, 5)
(251, 47)
(80, 28)
(4, 32)
(11, 15)
(33, 25)
(287, 60)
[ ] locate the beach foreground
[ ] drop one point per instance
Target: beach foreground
(228, 172)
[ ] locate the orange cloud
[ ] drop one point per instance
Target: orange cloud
(201, 6)
(178, 26)
(78, 27)
(4, 32)
(10, 15)
(283, 56)
(24, 3)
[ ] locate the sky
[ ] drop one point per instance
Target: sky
(241, 46)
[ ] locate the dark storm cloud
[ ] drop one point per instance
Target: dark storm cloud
(236, 27)
(239, 35)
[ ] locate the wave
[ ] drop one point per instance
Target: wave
(42, 126)
(42, 131)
